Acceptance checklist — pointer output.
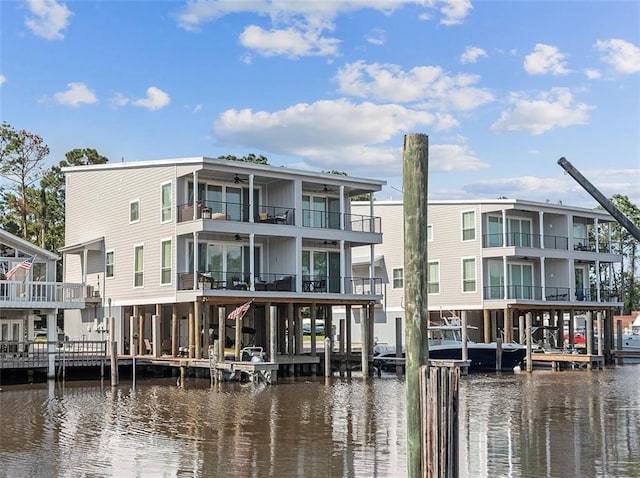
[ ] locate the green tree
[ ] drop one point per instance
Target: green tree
(249, 158)
(626, 281)
(52, 195)
(21, 157)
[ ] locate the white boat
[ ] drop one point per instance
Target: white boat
(631, 341)
(445, 342)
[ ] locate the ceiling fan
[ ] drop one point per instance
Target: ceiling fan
(238, 179)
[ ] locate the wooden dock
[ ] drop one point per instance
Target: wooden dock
(559, 359)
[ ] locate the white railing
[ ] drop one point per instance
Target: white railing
(41, 292)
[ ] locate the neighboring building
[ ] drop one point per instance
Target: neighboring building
(156, 248)
(495, 259)
(31, 298)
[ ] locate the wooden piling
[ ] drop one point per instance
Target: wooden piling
(440, 420)
(415, 174)
(399, 345)
(498, 354)
(327, 357)
(114, 364)
(619, 340)
(589, 336)
(528, 326)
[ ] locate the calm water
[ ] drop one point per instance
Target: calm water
(562, 424)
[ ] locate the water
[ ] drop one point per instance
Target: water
(563, 424)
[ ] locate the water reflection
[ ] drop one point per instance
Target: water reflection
(583, 423)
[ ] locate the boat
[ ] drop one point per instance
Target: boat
(445, 343)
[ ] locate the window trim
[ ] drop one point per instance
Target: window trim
(163, 268)
(433, 282)
(131, 203)
(462, 229)
(135, 270)
(394, 278)
(475, 274)
(113, 263)
(164, 207)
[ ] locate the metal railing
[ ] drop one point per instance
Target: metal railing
(33, 355)
(363, 285)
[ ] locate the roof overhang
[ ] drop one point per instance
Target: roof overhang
(96, 244)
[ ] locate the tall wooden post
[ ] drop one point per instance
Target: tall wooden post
(174, 330)
(529, 325)
(364, 342)
(415, 163)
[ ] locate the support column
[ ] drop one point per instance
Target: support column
(508, 329)
(191, 332)
(141, 349)
(208, 337)
(197, 332)
(486, 322)
(290, 329)
(348, 338)
(174, 330)
(222, 332)
(273, 336)
(364, 341)
(156, 341)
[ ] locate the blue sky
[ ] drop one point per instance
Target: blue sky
(503, 89)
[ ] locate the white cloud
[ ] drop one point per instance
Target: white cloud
(545, 59)
(377, 37)
(455, 11)
(156, 99)
(623, 56)
(339, 135)
(288, 42)
(49, 18)
(592, 74)
(553, 109)
(297, 28)
(425, 83)
(471, 54)
(3, 79)
(75, 95)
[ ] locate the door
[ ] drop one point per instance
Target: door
(496, 280)
(521, 281)
(520, 232)
(494, 238)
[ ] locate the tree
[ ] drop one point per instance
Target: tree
(249, 158)
(21, 157)
(626, 282)
(52, 195)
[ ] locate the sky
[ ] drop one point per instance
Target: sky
(503, 89)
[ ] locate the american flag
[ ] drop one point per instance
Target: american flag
(239, 312)
(24, 265)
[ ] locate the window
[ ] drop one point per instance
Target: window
(469, 275)
(134, 210)
(468, 226)
(166, 202)
(138, 266)
(108, 267)
(165, 252)
(433, 278)
(520, 232)
(494, 237)
(398, 278)
(429, 232)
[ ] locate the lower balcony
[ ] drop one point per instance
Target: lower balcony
(551, 294)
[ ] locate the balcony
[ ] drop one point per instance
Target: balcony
(42, 295)
(269, 282)
(228, 211)
(516, 239)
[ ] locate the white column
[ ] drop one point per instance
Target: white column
(541, 213)
(52, 339)
(196, 260)
(343, 268)
(252, 267)
(298, 263)
(504, 229)
(609, 237)
(251, 199)
(343, 219)
(505, 279)
(596, 233)
(597, 278)
(543, 279)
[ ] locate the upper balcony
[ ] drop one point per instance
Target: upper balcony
(42, 295)
(279, 215)
(519, 239)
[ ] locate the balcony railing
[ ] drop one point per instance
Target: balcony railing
(359, 223)
(557, 293)
(526, 292)
(41, 292)
(332, 220)
(363, 285)
(268, 282)
(518, 239)
(562, 294)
